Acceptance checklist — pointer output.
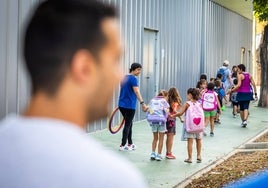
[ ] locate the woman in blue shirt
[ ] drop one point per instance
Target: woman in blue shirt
(129, 93)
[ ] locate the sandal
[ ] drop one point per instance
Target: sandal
(188, 160)
(198, 160)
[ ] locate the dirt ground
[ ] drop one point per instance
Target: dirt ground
(234, 168)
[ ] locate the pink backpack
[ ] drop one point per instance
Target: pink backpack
(194, 118)
(209, 101)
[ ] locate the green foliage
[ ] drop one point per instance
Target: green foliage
(260, 8)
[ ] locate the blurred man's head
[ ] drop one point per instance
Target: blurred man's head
(72, 50)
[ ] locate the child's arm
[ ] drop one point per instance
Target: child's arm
(175, 108)
(182, 110)
(225, 99)
(181, 119)
(219, 105)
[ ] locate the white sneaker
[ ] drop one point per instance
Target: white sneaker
(153, 156)
(124, 148)
(205, 132)
(158, 157)
(244, 124)
(132, 146)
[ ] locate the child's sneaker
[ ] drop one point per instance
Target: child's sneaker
(153, 156)
(205, 132)
(132, 146)
(217, 121)
(158, 157)
(244, 124)
(211, 134)
(170, 156)
(124, 148)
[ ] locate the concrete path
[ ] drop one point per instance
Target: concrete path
(170, 173)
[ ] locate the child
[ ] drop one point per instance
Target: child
(174, 101)
(192, 96)
(202, 86)
(221, 95)
(210, 102)
(157, 116)
(234, 100)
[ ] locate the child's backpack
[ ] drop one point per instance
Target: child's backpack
(157, 111)
(209, 101)
(194, 118)
(234, 96)
(222, 72)
(221, 93)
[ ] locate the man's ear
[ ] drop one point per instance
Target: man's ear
(82, 65)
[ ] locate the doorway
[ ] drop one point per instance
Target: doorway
(150, 76)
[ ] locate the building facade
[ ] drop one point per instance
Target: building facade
(174, 40)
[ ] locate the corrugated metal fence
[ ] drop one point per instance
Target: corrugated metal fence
(191, 37)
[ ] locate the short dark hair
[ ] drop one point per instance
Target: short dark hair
(203, 76)
(135, 66)
(194, 92)
(217, 83)
(235, 81)
(219, 75)
(211, 85)
(56, 31)
(242, 67)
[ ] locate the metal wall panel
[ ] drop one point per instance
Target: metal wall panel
(14, 84)
(193, 36)
(225, 34)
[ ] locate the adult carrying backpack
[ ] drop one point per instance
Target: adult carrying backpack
(194, 118)
(209, 101)
(157, 111)
(222, 72)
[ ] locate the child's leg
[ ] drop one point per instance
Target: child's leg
(198, 148)
(155, 139)
(212, 124)
(235, 109)
(169, 142)
(160, 142)
(207, 120)
(216, 118)
(190, 148)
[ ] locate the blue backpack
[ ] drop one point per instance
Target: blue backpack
(222, 72)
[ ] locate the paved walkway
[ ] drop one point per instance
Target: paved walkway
(169, 173)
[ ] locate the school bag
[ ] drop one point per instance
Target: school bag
(234, 96)
(209, 101)
(221, 93)
(194, 118)
(222, 72)
(157, 111)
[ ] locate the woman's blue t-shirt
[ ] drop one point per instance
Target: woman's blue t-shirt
(127, 97)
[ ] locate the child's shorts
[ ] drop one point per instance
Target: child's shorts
(210, 113)
(194, 135)
(235, 103)
(171, 126)
(161, 128)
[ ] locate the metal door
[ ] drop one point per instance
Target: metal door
(149, 74)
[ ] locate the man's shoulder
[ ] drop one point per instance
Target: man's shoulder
(62, 152)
